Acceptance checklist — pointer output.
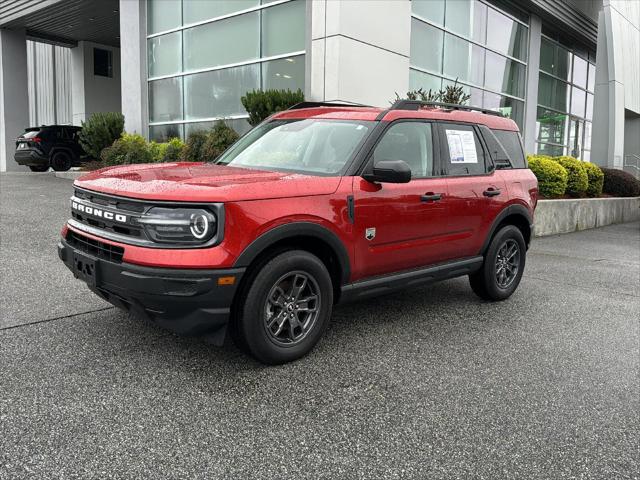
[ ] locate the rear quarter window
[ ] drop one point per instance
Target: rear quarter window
(512, 144)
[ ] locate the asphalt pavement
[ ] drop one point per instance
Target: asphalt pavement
(426, 384)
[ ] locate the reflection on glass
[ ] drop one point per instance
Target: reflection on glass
(575, 137)
(287, 73)
(164, 54)
(222, 43)
(553, 93)
(506, 36)
(555, 59)
(587, 135)
(591, 84)
(579, 71)
(165, 100)
(589, 114)
(550, 150)
(419, 80)
(164, 133)
(504, 75)
(463, 60)
(240, 125)
(432, 10)
(199, 10)
(551, 126)
(578, 100)
(509, 107)
(426, 46)
(163, 15)
(466, 18)
(283, 28)
(217, 93)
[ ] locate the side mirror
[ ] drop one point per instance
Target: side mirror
(389, 171)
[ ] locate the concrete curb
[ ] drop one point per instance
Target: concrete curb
(565, 216)
(70, 175)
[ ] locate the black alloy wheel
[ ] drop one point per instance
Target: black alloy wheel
(507, 263)
(61, 161)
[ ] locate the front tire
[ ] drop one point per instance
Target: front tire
(61, 161)
(503, 265)
(286, 309)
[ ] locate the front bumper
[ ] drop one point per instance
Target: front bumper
(186, 301)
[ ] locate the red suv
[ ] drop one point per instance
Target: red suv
(319, 204)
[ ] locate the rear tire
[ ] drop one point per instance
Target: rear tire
(286, 308)
(61, 161)
(39, 168)
(503, 265)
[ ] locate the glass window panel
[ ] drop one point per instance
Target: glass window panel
(578, 101)
(240, 125)
(587, 136)
(553, 93)
(198, 10)
(579, 71)
(460, 168)
(554, 59)
(591, 84)
(575, 137)
(165, 100)
(284, 74)
(504, 75)
(283, 28)
(512, 144)
(589, 114)
(419, 80)
(410, 142)
(551, 150)
(164, 54)
(551, 127)
(586, 155)
(164, 133)
(467, 18)
(217, 93)
(432, 10)
(475, 94)
(224, 42)
(163, 15)
(426, 46)
(506, 35)
(509, 107)
(463, 60)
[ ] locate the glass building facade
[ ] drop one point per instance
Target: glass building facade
(203, 56)
(482, 47)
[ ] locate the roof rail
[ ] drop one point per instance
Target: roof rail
(416, 104)
(300, 105)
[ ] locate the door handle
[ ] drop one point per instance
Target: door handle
(491, 192)
(431, 197)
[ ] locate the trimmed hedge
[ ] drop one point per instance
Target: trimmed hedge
(578, 181)
(220, 137)
(100, 131)
(596, 179)
(552, 177)
(620, 183)
(193, 149)
(259, 104)
(129, 148)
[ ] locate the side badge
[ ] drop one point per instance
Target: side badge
(370, 233)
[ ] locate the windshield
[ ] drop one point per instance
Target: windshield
(321, 147)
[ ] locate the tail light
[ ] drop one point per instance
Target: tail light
(36, 139)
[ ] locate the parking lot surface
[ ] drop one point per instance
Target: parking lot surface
(428, 383)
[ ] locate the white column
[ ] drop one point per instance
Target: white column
(533, 69)
(359, 50)
(133, 30)
(14, 97)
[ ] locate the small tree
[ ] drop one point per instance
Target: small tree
(219, 138)
(259, 104)
(100, 131)
(422, 95)
(454, 94)
(193, 149)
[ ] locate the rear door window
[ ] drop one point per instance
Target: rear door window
(512, 144)
(463, 153)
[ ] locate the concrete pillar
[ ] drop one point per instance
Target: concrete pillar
(133, 31)
(533, 69)
(357, 59)
(14, 97)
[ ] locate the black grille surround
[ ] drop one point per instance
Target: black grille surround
(95, 248)
(115, 218)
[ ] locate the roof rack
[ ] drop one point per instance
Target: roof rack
(416, 104)
(300, 105)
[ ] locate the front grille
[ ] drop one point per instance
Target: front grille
(96, 248)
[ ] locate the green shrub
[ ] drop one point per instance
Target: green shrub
(130, 148)
(578, 180)
(100, 131)
(193, 149)
(219, 138)
(596, 179)
(552, 177)
(170, 151)
(259, 104)
(620, 183)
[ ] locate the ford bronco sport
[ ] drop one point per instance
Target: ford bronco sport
(319, 204)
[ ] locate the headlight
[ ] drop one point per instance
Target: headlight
(179, 225)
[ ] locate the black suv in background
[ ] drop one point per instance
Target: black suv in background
(54, 146)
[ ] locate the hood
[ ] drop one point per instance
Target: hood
(203, 182)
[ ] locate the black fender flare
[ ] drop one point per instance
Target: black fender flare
(515, 209)
(292, 230)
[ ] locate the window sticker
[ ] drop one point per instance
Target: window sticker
(462, 146)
